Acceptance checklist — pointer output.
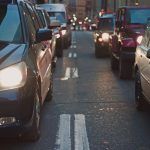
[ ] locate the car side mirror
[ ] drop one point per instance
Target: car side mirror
(43, 35)
(148, 54)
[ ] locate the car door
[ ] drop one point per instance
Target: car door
(42, 54)
(145, 64)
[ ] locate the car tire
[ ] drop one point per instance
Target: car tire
(125, 69)
(113, 63)
(139, 98)
(50, 92)
(33, 134)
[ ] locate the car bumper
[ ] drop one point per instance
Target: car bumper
(16, 109)
(128, 56)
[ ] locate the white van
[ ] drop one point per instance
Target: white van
(59, 11)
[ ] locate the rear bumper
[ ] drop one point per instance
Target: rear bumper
(128, 56)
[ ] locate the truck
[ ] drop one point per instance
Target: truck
(129, 28)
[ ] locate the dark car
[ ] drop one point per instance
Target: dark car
(55, 25)
(60, 12)
(142, 71)
(129, 28)
(105, 28)
(25, 69)
(45, 19)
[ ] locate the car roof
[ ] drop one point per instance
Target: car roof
(15, 1)
(107, 16)
(53, 7)
(135, 7)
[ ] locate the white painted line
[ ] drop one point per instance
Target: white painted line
(70, 55)
(75, 55)
(75, 73)
(71, 46)
(67, 74)
(63, 141)
(81, 139)
(74, 46)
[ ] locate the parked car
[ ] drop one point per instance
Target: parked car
(25, 69)
(130, 26)
(105, 28)
(45, 19)
(55, 25)
(142, 71)
(59, 11)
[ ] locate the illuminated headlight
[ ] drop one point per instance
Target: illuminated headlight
(64, 32)
(139, 39)
(105, 36)
(13, 77)
(57, 36)
(73, 24)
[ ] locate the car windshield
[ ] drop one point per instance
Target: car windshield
(138, 16)
(59, 16)
(10, 25)
(106, 24)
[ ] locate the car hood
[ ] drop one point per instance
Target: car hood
(10, 54)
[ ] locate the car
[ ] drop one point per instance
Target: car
(25, 69)
(142, 71)
(105, 28)
(59, 11)
(55, 25)
(129, 28)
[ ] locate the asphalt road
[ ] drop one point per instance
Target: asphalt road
(92, 109)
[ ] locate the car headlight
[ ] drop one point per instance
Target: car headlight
(105, 36)
(139, 39)
(57, 36)
(13, 77)
(64, 32)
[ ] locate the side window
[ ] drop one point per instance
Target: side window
(33, 16)
(145, 39)
(47, 17)
(29, 22)
(148, 36)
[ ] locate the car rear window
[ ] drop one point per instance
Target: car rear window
(106, 24)
(138, 16)
(10, 24)
(59, 15)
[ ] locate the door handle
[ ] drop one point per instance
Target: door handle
(43, 47)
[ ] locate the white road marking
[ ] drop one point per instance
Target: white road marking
(70, 55)
(70, 73)
(81, 139)
(74, 46)
(75, 55)
(75, 73)
(63, 141)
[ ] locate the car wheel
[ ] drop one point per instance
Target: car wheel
(50, 92)
(139, 98)
(33, 134)
(114, 63)
(125, 69)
